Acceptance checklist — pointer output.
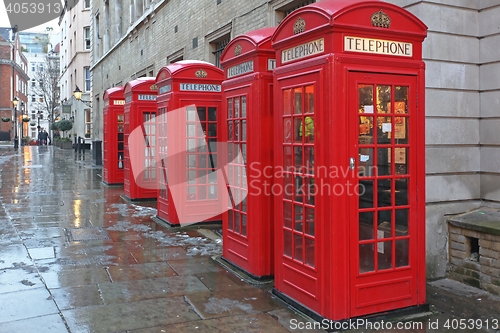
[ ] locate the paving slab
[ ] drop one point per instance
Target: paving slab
(77, 297)
(56, 277)
(128, 291)
(140, 271)
(129, 316)
(26, 304)
(195, 265)
(43, 324)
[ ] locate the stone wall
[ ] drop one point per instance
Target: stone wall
(481, 270)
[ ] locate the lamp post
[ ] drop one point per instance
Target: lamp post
(16, 142)
(22, 123)
(39, 115)
(78, 96)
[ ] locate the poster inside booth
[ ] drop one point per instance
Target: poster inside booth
(349, 122)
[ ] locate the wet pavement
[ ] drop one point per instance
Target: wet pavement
(75, 257)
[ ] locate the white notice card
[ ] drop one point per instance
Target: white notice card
(368, 108)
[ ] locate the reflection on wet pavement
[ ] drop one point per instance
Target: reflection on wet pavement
(143, 278)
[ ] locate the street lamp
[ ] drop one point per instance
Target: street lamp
(16, 142)
(78, 96)
(22, 123)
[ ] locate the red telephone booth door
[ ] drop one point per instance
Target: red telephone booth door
(383, 217)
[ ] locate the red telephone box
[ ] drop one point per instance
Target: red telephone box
(190, 98)
(349, 118)
(113, 134)
(248, 62)
(140, 114)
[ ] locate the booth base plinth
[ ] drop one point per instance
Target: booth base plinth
(112, 184)
(411, 312)
(128, 199)
(242, 273)
(181, 227)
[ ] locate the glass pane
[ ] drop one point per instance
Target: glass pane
(287, 214)
(365, 225)
(365, 194)
(202, 113)
(401, 192)
(230, 131)
(384, 130)
(384, 193)
(401, 130)
(191, 177)
(297, 153)
(202, 192)
(191, 130)
(384, 224)
(365, 130)
(236, 222)
(243, 106)
(191, 193)
(310, 190)
(365, 98)
(212, 114)
(230, 225)
(120, 135)
(120, 145)
(244, 202)
(297, 100)
(365, 166)
(190, 113)
(244, 152)
(243, 224)
(287, 158)
(237, 107)
(384, 255)
(191, 161)
(384, 161)
(309, 160)
(310, 252)
(202, 161)
(366, 259)
(288, 186)
(309, 100)
(401, 161)
(309, 217)
(297, 130)
(383, 99)
(401, 100)
(287, 104)
(299, 189)
(299, 218)
(309, 130)
(201, 131)
(236, 131)
(229, 108)
(191, 145)
(243, 130)
(402, 249)
(298, 248)
(401, 222)
(212, 130)
(287, 240)
(287, 130)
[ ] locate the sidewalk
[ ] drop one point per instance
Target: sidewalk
(75, 257)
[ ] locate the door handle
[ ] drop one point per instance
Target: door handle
(352, 163)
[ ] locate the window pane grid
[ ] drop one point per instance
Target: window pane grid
(237, 137)
(298, 175)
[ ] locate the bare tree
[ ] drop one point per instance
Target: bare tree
(46, 85)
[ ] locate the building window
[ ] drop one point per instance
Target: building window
(86, 33)
(282, 9)
(88, 123)
(216, 42)
(87, 78)
(33, 67)
(33, 98)
(40, 67)
(41, 99)
(86, 4)
(218, 49)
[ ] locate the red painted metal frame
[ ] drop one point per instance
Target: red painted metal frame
(134, 110)
(113, 110)
(328, 289)
(252, 250)
(173, 99)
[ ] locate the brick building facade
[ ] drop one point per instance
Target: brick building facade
(136, 38)
(14, 83)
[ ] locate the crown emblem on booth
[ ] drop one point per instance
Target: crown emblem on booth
(153, 87)
(200, 73)
(381, 19)
(237, 50)
(299, 26)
